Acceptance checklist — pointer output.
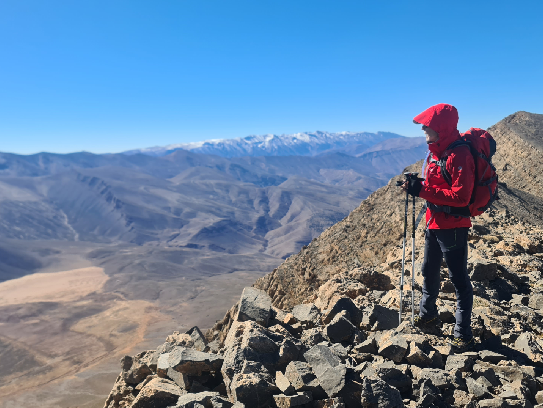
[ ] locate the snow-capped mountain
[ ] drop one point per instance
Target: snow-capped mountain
(297, 144)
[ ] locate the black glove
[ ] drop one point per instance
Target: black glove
(414, 185)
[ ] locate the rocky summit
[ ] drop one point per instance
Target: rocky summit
(323, 330)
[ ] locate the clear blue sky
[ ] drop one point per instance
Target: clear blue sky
(108, 76)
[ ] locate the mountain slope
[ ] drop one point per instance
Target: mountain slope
(366, 236)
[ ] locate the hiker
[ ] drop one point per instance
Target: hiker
(447, 221)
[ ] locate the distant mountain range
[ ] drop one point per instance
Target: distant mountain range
(297, 144)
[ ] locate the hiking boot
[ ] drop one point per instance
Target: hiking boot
(429, 326)
(461, 344)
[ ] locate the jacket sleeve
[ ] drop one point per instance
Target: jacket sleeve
(461, 167)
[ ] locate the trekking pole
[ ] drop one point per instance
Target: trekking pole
(413, 261)
(403, 256)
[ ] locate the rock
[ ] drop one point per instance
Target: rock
(477, 387)
(482, 270)
(312, 337)
(463, 399)
(460, 362)
(395, 348)
(440, 378)
(372, 279)
(378, 394)
(284, 384)
(328, 403)
(253, 386)
(302, 378)
(391, 374)
(339, 329)
(378, 317)
(307, 314)
(519, 300)
(539, 397)
(492, 403)
(289, 319)
(204, 399)
(536, 301)
(254, 305)
(339, 351)
(249, 341)
(344, 304)
(429, 393)
(135, 369)
(199, 340)
(490, 356)
(336, 288)
(158, 393)
(286, 401)
(417, 357)
(527, 344)
(367, 346)
(181, 379)
(122, 394)
(188, 361)
(328, 369)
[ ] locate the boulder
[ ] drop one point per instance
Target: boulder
(188, 361)
(395, 348)
(302, 378)
(372, 279)
(312, 337)
(336, 288)
(307, 314)
(287, 401)
(527, 344)
(378, 394)
(122, 394)
(378, 317)
(536, 301)
(328, 403)
(440, 378)
(328, 369)
(391, 374)
(249, 341)
(479, 388)
(367, 346)
(284, 384)
(203, 399)
(254, 305)
(199, 340)
(340, 328)
(463, 363)
(428, 394)
(135, 369)
(418, 357)
(253, 386)
(491, 357)
(346, 305)
(158, 393)
(482, 270)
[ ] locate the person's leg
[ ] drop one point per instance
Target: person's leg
(456, 257)
(430, 272)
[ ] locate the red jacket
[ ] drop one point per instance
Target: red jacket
(443, 119)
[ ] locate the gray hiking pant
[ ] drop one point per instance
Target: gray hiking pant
(453, 244)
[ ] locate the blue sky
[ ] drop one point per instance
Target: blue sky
(109, 76)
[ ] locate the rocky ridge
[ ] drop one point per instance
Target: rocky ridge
(322, 330)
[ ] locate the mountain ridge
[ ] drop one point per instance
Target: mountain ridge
(297, 144)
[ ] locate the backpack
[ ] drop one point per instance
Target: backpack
(485, 188)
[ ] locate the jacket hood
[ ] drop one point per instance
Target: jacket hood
(443, 118)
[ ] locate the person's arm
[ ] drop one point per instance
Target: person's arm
(461, 167)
